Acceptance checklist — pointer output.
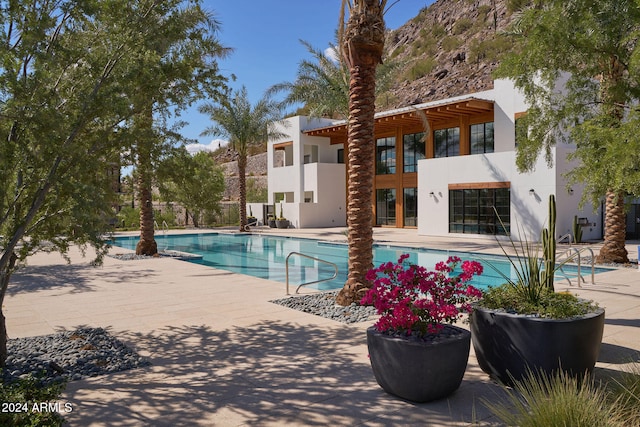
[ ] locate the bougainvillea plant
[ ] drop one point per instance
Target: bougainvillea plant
(412, 300)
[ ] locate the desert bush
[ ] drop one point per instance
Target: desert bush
(557, 400)
(22, 395)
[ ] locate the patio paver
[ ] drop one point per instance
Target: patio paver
(222, 354)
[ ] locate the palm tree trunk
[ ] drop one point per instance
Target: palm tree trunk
(363, 45)
(242, 181)
(615, 219)
(147, 244)
(615, 225)
(360, 188)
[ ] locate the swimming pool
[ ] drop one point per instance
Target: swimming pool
(264, 256)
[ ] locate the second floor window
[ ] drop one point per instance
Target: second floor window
(481, 138)
(413, 151)
(386, 155)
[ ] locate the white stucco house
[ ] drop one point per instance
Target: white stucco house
(442, 182)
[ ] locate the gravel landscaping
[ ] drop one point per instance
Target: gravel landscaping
(324, 304)
(69, 355)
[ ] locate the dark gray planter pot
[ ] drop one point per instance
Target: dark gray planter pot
(271, 223)
(282, 223)
(419, 371)
(509, 346)
(252, 221)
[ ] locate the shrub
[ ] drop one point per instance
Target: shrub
(625, 395)
(461, 25)
(557, 400)
(438, 30)
(450, 43)
(550, 304)
(425, 45)
(420, 69)
(129, 217)
(412, 300)
(25, 393)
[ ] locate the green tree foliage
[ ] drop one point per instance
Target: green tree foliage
(23, 394)
(71, 78)
(179, 53)
(322, 83)
(589, 46)
(256, 193)
(420, 68)
(194, 182)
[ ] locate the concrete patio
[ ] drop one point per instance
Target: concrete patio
(222, 354)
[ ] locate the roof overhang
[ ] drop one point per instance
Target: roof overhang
(282, 145)
(412, 117)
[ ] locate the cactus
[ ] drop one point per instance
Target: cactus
(576, 229)
(549, 246)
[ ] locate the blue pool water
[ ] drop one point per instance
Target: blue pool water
(264, 256)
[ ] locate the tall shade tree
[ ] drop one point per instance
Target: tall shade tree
(591, 45)
(362, 44)
(195, 182)
(184, 51)
(245, 125)
(69, 79)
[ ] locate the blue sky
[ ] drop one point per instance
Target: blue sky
(265, 35)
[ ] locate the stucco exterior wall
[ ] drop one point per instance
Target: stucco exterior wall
(322, 180)
(528, 209)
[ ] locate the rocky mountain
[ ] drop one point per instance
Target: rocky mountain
(449, 49)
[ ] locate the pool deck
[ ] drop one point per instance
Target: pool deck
(222, 354)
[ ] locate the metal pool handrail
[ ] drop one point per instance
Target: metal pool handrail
(578, 256)
(286, 268)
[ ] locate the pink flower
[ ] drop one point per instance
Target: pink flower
(413, 300)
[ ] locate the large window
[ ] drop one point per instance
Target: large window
(410, 203)
(481, 138)
(413, 151)
(386, 206)
(386, 155)
(446, 142)
(472, 211)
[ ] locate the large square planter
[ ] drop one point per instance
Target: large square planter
(418, 370)
(511, 346)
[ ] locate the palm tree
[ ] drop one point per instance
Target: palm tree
(362, 45)
(245, 126)
(143, 123)
(183, 52)
(322, 83)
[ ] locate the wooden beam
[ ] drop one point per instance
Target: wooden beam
(479, 185)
